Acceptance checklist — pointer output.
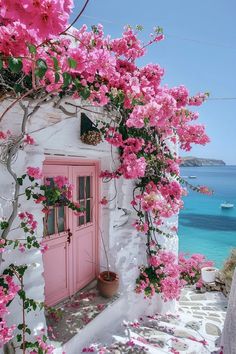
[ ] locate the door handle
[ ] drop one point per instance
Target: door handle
(69, 235)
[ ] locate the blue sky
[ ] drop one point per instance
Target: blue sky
(199, 51)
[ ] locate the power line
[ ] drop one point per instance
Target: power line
(167, 35)
(220, 98)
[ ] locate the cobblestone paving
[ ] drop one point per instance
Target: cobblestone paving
(196, 328)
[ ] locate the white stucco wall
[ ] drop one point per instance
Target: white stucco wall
(125, 247)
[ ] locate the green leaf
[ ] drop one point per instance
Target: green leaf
(32, 48)
(55, 63)
(19, 337)
(41, 68)
(67, 79)
(15, 65)
(72, 63)
(20, 326)
(77, 84)
(85, 93)
(18, 88)
(20, 181)
(27, 330)
(57, 78)
(1, 64)
(3, 225)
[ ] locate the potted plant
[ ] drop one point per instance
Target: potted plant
(89, 133)
(107, 281)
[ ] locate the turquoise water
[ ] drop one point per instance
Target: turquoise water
(203, 226)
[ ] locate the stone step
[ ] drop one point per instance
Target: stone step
(195, 328)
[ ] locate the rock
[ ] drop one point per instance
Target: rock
(181, 333)
(196, 161)
(193, 325)
(179, 346)
(212, 329)
(198, 297)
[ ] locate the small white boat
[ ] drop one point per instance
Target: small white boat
(192, 177)
(227, 205)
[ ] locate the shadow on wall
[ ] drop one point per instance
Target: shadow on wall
(209, 222)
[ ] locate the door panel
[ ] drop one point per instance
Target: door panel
(84, 261)
(56, 272)
(84, 226)
(56, 259)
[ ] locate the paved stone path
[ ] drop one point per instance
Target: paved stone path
(196, 328)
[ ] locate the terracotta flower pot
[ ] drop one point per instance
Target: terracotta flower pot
(108, 283)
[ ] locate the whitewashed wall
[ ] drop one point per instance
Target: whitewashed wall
(125, 247)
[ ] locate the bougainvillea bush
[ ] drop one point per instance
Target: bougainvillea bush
(161, 275)
(190, 267)
(45, 60)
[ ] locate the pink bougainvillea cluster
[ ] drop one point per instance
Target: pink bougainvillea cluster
(190, 267)
(161, 275)
(167, 274)
(8, 290)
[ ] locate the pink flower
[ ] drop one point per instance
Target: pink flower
(34, 172)
(21, 215)
(43, 248)
(198, 99)
(100, 307)
(46, 210)
(29, 140)
(205, 190)
(40, 199)
(133, 167)
(3, 135)
(154, 261)
(21, 248)
(141, 227)
(113, 137)
(61, 181)
(130, 343)
(104, 201)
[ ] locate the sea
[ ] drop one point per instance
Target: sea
(204, 227)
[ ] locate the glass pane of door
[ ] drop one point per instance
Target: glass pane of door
(85, 198)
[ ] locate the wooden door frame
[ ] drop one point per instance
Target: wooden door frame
(76, 161)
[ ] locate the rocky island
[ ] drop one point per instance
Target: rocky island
(197, 162)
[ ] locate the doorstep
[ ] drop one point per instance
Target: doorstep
(74, 322)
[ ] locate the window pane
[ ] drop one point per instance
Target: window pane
(61, 218)
(88, 186)
(81, 219)
(88, 211)
(51, 222)
(81, 188)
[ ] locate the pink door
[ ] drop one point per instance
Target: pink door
(71, 260)
(84, 227)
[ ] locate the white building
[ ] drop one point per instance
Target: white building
(74, 259)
